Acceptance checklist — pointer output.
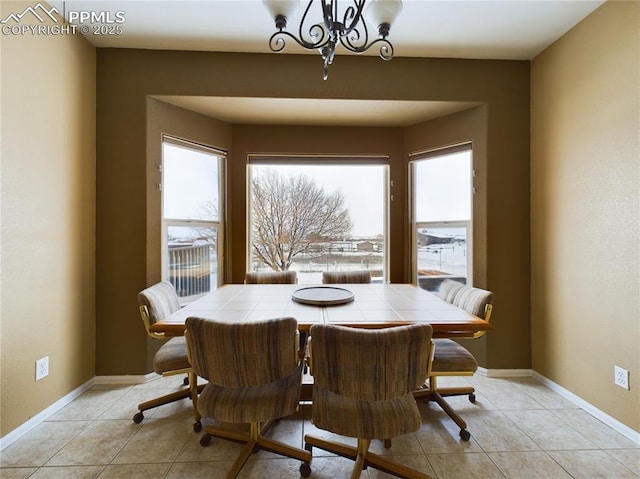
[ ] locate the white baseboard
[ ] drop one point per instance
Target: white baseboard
(39, 418)
(127, 379)
(505, 373)
(568, 395)
(21, 430)
(594, 411)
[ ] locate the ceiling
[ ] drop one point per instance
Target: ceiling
(305, 111)
(477, 29)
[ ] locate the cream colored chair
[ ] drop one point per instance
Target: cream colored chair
(155, 303)
(362, 387)
(340, 277)
(451, 358)
(255, 375)
(271, 277)
(448, 290)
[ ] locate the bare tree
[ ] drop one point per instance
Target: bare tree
(291, 215)
(200, 232)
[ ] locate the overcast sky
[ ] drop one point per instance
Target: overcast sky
(362, 187)
(443, 189)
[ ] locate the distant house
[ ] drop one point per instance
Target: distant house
(341, 247)
(367, 246)
(427, 239)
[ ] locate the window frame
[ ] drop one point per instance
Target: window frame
(322, 160)
(218, 225)
(416, 225)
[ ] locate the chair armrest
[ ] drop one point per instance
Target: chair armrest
(307, 354)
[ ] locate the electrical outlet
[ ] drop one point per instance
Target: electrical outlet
(621, 377)
(42, 368)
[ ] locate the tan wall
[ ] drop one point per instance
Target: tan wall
(585, 209)
(127, 77)
(48, 219)
(163, 118)
(128, 190)
(501, 221)
(464, 127)
(291, 140)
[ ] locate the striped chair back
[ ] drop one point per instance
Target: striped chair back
(448, 289)
(370, 364)
(242, 354)
(158, 302)
(271, 277)
(337, 277)
(474, 301)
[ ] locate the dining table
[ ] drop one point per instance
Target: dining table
(371, 305)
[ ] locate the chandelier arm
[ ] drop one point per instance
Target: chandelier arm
(386, 48)
(353, 14)
(315, 31)
(355, 41)
(277, 42)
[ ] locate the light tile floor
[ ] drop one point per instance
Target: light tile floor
(519, 429)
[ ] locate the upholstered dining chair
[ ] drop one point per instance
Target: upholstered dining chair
(362, 384)
(271, 277)
(255, 375)
(155, 303)
(451, 358)
(337, 277)
(448, 290)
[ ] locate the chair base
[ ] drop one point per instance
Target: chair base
(363, 458)
(170, 398)
(459, 391)
(252, 443)
(438, 396)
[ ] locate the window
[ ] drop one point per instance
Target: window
(311, 218)
(192, 212)
(442, 216)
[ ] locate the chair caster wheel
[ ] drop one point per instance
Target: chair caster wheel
(305, 469)
(465, 435)
(138, 417)
(185, 381)
(205, 440)
(472, 397)
(197, 426)
(308, 447)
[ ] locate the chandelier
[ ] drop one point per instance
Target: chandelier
(346, 26)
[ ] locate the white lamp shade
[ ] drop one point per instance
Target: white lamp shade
(383, 11)
(281, 7)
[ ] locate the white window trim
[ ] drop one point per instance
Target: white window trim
(323, 160)
(415, 225)
(217, 225)
(468, 225)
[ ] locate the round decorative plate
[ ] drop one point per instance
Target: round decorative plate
(322, 296)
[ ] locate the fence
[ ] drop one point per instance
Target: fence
(190, 269)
